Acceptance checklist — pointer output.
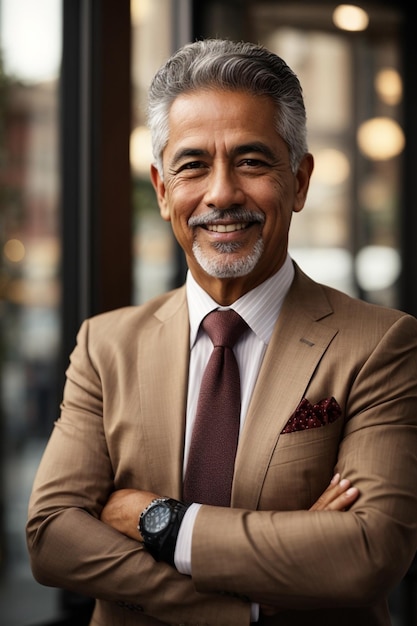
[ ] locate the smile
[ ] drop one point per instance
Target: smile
(225, 228)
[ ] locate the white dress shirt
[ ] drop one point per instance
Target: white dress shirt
(260, 309)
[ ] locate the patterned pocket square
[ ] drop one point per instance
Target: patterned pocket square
(307, 415)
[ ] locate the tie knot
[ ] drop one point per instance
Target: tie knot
(224, 327)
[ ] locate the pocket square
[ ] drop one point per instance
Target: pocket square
(307, 415)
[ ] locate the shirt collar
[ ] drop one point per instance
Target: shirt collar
(259, 307)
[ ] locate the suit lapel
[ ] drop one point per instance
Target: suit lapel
(296, 347)
(298, 343)
(163, 380)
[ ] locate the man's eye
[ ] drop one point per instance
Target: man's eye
(253, 162)
(190, 169)
(192, 165)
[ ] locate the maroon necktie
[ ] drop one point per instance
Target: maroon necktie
(209, 473)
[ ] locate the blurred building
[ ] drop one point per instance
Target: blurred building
(80, 231)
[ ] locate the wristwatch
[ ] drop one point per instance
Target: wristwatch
(159, 525)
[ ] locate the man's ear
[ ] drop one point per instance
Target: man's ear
(303, 175)
(159, 186)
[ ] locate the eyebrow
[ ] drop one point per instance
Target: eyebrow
(256, 146)
(184, 153)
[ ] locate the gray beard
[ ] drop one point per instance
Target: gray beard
(225, 266)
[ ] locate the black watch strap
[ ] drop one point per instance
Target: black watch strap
(162, 547)
(167, 548)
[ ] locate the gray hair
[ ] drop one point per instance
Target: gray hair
(228, 65)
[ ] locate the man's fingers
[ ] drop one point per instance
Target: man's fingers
(343, 501)
(337, 497)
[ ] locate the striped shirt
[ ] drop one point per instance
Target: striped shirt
(260, 309)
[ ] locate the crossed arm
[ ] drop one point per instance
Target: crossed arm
(124, 506)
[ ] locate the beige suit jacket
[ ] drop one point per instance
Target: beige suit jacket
(122, 426)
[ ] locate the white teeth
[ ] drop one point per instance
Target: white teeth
(225, 228)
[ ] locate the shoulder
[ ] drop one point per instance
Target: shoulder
(342, 310)
(132, 320)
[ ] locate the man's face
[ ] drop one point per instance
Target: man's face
(228, 188)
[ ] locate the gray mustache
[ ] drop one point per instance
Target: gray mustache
(235, 215)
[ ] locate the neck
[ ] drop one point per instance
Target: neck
(225, 291)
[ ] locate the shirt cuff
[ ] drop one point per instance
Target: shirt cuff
(254, 613)
(182, 554)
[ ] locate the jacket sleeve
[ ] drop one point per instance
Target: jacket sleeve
(302, 559)
(71, 548)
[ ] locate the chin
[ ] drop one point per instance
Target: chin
(227, 264)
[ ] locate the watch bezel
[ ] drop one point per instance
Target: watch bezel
(157, 502)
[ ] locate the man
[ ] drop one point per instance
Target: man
(328, 388)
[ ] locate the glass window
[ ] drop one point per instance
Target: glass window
(348, 233)
(30, 52)
(157, 29)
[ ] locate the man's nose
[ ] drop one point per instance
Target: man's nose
(224, 189)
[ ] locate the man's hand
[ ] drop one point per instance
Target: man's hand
(338, 496)
(123, 509)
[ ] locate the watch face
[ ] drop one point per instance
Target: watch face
(157, 518)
